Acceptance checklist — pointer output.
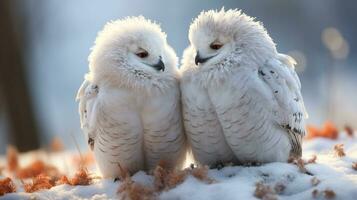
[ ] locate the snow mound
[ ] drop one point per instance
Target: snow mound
(331, 177)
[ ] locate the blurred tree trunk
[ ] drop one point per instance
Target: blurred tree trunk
(14, 88)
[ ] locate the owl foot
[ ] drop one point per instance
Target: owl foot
(252, 164)
(218, 165)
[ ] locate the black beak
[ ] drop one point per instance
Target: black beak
(199, 59)
(159, 66)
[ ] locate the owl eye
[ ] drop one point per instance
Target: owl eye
(142, 54)
(215, 45)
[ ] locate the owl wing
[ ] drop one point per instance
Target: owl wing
(289, 111)
(162, 125)
(111, 128)
(86, 96)
(202, 126)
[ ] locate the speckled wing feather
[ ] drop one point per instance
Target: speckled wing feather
(86, 96)
(290, 113)
(243, 106)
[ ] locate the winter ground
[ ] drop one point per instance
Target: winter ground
(332, 178)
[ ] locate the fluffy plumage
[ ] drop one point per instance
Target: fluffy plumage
(129, 102)
(241, 98)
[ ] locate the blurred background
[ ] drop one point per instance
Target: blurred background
(44, 45)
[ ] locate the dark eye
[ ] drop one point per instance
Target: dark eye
(215, 46)
(142, 54)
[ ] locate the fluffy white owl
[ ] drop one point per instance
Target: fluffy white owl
(129, 102)
(241, 98)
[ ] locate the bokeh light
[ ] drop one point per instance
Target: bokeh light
(334, 41)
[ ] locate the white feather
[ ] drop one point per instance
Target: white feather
(129, 109)
(249, 90)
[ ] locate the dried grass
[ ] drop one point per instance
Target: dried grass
(315, 181)
(1, 169)
(176, 178)
(123, 172)
(63, 180)
(40, 182)
(315, 193)
(56, 145)
(339, 150)
(82, 177)
(265, 192)
(165, 178)
(36, 168)
(312, 160)
(327, 193)
(201, 173)
(130, 190)
(279, 188)
(12, 158)
(354, 166)
(160, 176)
(328, 130)
(349, 131)
(7, 186)
(301, 163)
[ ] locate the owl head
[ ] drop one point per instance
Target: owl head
(218, 36)
(132, 52)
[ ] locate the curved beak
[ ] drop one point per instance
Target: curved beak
(199, 59)
(159, 66)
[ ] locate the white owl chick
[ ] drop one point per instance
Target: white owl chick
(129, 103)
(241, 98)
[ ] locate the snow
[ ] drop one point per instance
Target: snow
(232, 182)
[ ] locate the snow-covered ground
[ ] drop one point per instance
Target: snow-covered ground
(332, 178)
